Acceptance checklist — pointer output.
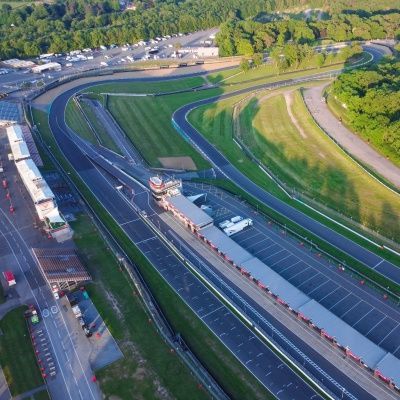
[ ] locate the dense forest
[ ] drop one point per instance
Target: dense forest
(244, 37)
(371, 98)
(63, 25)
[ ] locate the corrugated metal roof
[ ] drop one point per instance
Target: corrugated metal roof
(33, 181)
(195, 214)
(226, 245)
(278, 285)
(19, 150)
(358, 344)
(59, 265)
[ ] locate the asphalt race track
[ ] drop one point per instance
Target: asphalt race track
(335, 239)
(269, 369)
(158, 253)
(346, 298)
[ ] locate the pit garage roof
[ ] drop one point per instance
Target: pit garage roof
(19, 150)
(60, 265)
(226, 245)
(389, 366)
(9, 112)
(195, 214)
(14, 133)
(345, 335)
(276, 284)
(33, 181)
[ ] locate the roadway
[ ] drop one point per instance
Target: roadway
(223, 165)
(73, 374)
(156, 251)
(108, 196)
(269, 369)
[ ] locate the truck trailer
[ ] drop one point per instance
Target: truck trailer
(238, 227)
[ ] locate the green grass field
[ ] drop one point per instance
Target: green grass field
(306, 159)
(77, 122)
(102, 134)
(147, 359)
(147, 122)
(17, 358)
(148, 87)
(235, 79)
(229, 373)
(215, 122)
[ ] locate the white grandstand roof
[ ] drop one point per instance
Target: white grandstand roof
(14, 133)
(226, 245)
(195, 214)
(19, 150)
(33, 181)
(389, 366)
(345, 335)
(276, 284)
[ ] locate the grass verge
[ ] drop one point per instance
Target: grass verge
(148, 87)
(147, 122)
(77, 122)
(215, 122)
(230, 374)
(281, 133)
(17, 358)
(102, 134)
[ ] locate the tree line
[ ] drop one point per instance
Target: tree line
(246, 37)
(65, 25)
(371, 98)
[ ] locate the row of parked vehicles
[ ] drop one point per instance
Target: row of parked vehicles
(79, 315)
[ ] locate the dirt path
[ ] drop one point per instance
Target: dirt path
(289, 102)
(347, 139)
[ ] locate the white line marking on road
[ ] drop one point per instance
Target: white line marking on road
(379, 263)
(211, 312)
(386, 335)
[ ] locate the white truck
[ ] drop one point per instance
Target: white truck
(230, 222)
(77, 311)
(238, 227)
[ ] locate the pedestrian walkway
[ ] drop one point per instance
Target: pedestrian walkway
(353, 144)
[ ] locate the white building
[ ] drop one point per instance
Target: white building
(201, 51)
(51, 66)
(14, 134)
(20, 150)
(40, 192)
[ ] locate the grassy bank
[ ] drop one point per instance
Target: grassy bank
(102, 134)
(225, 368)
(77, 122)
(17, 358)
(148, 87)
(281, 133)
(147, 122)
